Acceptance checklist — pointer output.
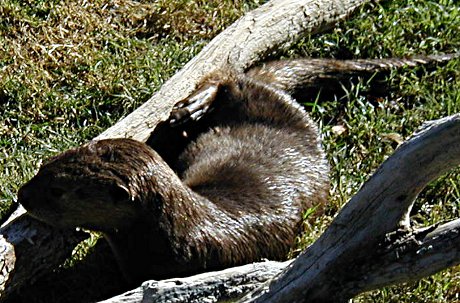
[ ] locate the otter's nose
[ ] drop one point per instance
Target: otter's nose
(30, 193)
(24, 196)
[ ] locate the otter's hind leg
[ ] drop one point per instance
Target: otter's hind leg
(197, 104)
(224, 98)
(184, 125)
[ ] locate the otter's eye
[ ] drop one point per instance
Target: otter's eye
(119, 194)
(56, 192)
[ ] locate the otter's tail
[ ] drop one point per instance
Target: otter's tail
(305, 75)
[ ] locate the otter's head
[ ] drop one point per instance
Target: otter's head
(95, 186)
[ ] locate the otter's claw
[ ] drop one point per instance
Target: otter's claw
(194, 106)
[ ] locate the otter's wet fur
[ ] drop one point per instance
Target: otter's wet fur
(226, 183)
(235, 194)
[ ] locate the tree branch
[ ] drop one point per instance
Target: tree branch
(415, 255)
(208, 287)
(29, 249)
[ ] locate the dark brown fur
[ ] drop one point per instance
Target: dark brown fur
(231, 192)
(232, 172)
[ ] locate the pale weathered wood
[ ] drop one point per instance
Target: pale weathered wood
(274, 25)
(269, 28)
(370, 243)
(29, 248)
(208, 287)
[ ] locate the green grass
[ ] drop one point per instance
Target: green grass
(70, 69)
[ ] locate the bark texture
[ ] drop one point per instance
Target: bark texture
(29, 249)
(227, 284)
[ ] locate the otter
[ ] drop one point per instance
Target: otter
(236, 193)
(225, 181)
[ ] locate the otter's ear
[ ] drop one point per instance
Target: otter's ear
(120, 193)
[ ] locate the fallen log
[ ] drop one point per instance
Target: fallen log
(30, 248)
(208, 287)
